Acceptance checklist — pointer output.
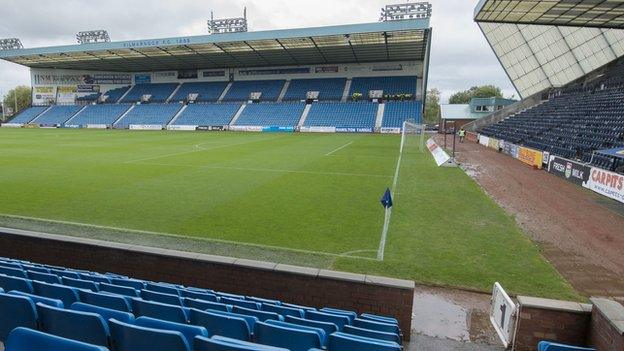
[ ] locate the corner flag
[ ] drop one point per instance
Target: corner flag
(386, 199)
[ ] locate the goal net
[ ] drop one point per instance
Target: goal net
(412, 137)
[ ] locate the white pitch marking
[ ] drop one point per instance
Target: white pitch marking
(223, 241)
(388, 212)
(340, 148)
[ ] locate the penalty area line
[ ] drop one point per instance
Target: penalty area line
(339, 148)
(179, 236)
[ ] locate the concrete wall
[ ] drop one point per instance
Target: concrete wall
(298, 285)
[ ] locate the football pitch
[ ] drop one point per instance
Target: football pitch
(303, 199)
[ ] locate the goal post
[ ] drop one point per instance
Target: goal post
(412, 136)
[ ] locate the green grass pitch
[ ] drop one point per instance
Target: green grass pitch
(305, 199)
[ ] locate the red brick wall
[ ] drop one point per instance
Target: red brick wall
(305, 286)
(603, 335)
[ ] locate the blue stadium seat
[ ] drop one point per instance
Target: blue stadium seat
(106, 313)
(65, 273)
(197, 295)
(219, 324)
(350, 314)
(82, 326)
(342, 115)
(240, 90)
(319, 331)
(115, 94)
(57, 115)
(112, 301)
(159, 310)
(261, 315)
(96, 278)
(44, 277)
(159, 91)
(207, 91)
(251, 320)
(347, 342)
(262, 301)
(271, 114)
(13, 283)
(240, 303)
(133, 283)
(28, 114)
(189, 331)
(39, 299)
(149, 114)
(395, 113)
(119, 289)
(80, 284)
(230, 296)
(221, 343)
(36, 269)
(129, 337)
(369, 333)
(98, 114)
(294, 339)
(301, 307)
(373, 325)
(551, 346)
(163, 288)
(339, 320)
(64, 293)
(378, 318)
(283, 310)
(13, 272)
(329, 328)
(389, 85)
(17, 311)
(207, 114)
(329, 89)
(161, 297)
(24, 339)
(207, 305)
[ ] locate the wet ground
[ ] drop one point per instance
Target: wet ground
(448, 319)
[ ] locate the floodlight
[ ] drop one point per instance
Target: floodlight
(228, 25)
(408, 10)
(11, 44)
(93, 36)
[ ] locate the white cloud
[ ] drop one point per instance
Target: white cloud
(460, 58)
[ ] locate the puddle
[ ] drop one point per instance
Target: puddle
(440, 318)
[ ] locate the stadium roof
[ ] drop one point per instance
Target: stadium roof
(405, 40)
(458, 111)
(576, 13)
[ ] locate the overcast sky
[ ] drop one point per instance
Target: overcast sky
(460, 58)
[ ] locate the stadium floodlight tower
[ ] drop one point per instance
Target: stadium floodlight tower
(11, 44)
(398, 12)
(93, 36)
(228, 25)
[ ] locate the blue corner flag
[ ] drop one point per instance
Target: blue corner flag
(386, 199)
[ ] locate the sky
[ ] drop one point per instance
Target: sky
(461, 57)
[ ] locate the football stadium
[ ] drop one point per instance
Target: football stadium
(282, 189)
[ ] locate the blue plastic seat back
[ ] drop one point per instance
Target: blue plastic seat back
(294, 339)
(64, 293)
(383, 327)
(36, 299)
(80, 284)
(551, 346)
(338, 320)
(163, 288)
(159, 310)
(16, 311)
(44, 277)
(347, 342)
(106, 313)
(239, 302)
(65, 273)
(133, 283)
(36, 268)
(114, 302)
(82, 326)
(378, 318)
(23, 339)
(219, 324)
(350, 314)
(326, 326)
(301, 307)
(349, 329)
(13, 283)
(96, 278)
(189, 331)
(128, 337)
(261, 315)
(119, 289)
(161, 297)
(13, 272)
(319, 331)
(199, 295)
(206, 305)
(229, 296)
(262, 301)
(283, 310)
(251, 320)
(221, 343)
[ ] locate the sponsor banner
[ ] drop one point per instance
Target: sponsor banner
(483, 140)
(545, 158)
(606, 183)
(502, 313)
(156, 42)
(80, 79)
(43, 94)
(276, 129)
(354, 130)
(493, 143)
(318, 129)
(211, 128)
(572, 171)
(187, 74)
(166, 74)
(11, 125)
(87, 88)
(440, 156)
(146, 126)
(328, 69)
(246, 128)
(181, 127)
(273, 71)
(142, 78)
(385, 130)
(510, 149)
(207, 74)
(96, 126)
(387, 68)
(530, 157)
(72, 126)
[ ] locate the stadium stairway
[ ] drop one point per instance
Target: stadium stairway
(304, 115)
(225, 92)
(76, 310)
(380, 115)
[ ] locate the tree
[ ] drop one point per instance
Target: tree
(432, 108)
(484, 91)
(24, 98)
